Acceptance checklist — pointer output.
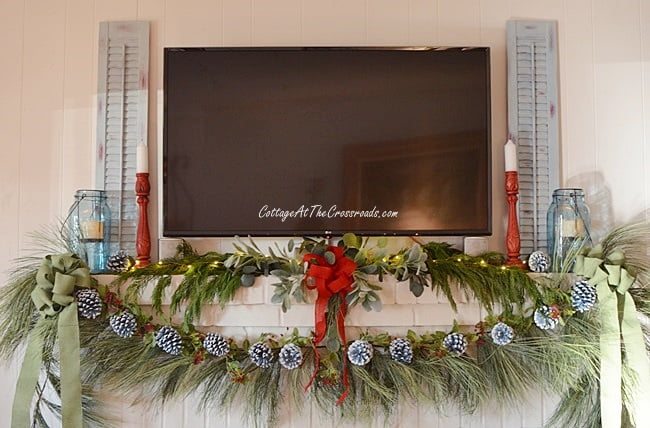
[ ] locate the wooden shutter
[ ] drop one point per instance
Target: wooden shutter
(533, 123)
(122, 92)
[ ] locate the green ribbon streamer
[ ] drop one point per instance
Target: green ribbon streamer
(53, 297)
(619, 326)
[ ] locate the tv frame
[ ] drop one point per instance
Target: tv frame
(274, 233)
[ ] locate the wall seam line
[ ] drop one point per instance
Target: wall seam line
(594, 85)
(20, 129)
(645, 125)
(62, 168)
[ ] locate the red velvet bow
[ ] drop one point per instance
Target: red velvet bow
(329, 280)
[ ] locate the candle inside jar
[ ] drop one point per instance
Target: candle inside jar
(572, 228)
(92, 230)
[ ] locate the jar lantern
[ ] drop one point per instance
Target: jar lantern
(88, 225)
(568, 223)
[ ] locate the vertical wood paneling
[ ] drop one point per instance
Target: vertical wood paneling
(491, 416)
(237, 22)
(115, 10)
(174, 415)
(578, 113)
(549, 9)
(510, 417)
(407, 415)
(11, 80)
(277, 23)
(41, 115)
(447, 418)
(423, 22)
(493, 16)
(644, 19)
(191, 416)
(388, 23)
(185, 27)
(618, 97)
(77, 153)
(346, 22)
(578, 91)
(459, 22)
(532, 414)
(549, 403)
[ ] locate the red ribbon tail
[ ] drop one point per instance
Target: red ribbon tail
(320, 310)
(316, 366)
(341, 326)
(346, 383)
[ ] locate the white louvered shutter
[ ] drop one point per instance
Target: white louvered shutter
(122, 91)
(533, 123)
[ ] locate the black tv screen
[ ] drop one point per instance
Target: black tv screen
(323, 141)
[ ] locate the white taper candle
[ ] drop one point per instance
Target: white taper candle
(511, 156)
(142, 158)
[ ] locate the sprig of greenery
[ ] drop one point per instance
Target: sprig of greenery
(485, 277)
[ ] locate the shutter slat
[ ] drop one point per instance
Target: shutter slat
(122, 121)
(532, 123)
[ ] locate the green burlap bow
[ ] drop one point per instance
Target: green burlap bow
(53, 296)
(619, 326)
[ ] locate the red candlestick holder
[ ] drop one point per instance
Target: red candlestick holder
(143, 239)
(513, 243)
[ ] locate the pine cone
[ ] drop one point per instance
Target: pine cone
(124, 324)
(400, 350)
(89, 303)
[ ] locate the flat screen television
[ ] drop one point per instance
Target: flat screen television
(323, 141)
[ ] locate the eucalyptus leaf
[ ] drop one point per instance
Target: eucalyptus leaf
(230, 261)
(352, 299)
(280, 273)
(291, 245)
(333, 345)
(375, 287)
(382, 242)
(249, 269)
(369, 269)
(247, 280)
(351, 240)
(329, 257)
(299, 296)
(416, 287)
(376, 304)
(277, 298)
(360, 258)
(380, 253)
(271, 253)
(294, 287)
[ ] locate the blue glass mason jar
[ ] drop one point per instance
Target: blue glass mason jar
(568, 227)
(88, 225)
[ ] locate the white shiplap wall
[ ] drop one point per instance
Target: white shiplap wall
(47, 109)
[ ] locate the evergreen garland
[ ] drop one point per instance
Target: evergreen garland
(565, 361)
